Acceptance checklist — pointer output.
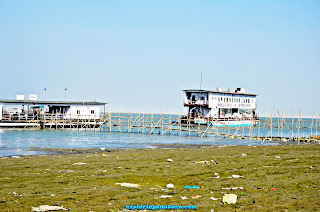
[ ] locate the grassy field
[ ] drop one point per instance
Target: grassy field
(293, 170)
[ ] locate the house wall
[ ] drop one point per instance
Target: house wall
(231, 101)
(83, 112)
(216, 101)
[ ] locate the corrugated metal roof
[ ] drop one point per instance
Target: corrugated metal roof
(222, 92)
(36, 102)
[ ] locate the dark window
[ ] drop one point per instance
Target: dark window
(78, 112)
(92, 111)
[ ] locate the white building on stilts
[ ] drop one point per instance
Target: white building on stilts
(221, 107)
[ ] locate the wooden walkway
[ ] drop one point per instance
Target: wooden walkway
(268, 129)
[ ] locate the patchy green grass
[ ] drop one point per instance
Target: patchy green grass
(292, 169)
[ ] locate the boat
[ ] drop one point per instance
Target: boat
(220, 108)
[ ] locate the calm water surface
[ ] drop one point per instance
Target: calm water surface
(20, 142)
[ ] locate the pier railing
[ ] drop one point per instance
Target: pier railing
(272, 128)
(52, 120)
(275, 127)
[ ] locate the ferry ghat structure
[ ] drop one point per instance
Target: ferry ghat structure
(218, 113)
(51, 114)
(221, 108)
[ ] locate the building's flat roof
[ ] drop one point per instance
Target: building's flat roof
(36, 102)
(222, 92)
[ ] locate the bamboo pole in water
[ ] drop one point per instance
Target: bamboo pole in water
(242, 128)
(259, 129)
(144, 119)
(282, 124)
(151, 122)
(170, 127)
(198, 127)
(292, 125)
(299, 124)
(311, 125)
(271, 120)
(110, 121)
(119, 122)
(278, 123)
(317, 125)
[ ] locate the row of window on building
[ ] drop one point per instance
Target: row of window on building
(233, 99)
(78, 112)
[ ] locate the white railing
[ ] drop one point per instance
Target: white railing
(196, 102)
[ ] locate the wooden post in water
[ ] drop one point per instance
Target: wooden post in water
(161, 129)
(271, 125)
(278, 123)
(119, 123)
(78, 122)
(282, 124)
(311, 125)
(292, 125)
(198, 126)
(151, 122)
(56, 118)
(180, 123)
(259, 129)
(170, 125)
(110, 121)
(138, 122)
(143, 120)
(243, 127)
(188, 126)
(316, 126)
(299, 124)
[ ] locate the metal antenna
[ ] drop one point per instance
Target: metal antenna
(200, 93)
(200, 82)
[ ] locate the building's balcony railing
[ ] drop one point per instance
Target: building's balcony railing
(196, 102)
(27, 117)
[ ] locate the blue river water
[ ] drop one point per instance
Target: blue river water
(25, 141)
(21, 142)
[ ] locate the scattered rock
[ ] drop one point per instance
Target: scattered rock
(196, 196)
(229, 198)
(206, 162)
(235, 176)
(128, 185)
(165, 196)
(79, 163)
(232, 188)
(43, 208)
(169, 160)
(170, 186)
(65, 171)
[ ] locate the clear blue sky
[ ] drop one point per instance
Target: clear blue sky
(138, 56)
